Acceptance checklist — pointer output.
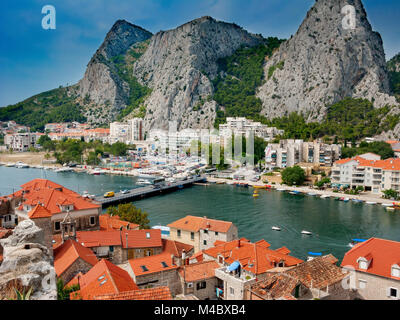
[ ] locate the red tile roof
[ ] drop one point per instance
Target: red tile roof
(160, 293)
(39, 212)
(152, 264)
(198, 271)
(4, 233)
(104, 278)
(176, 248)
(108, 222)
(69, 252)
(256, 258)
(192, 223)
(383, 254)
(91, 239)
(392, 164)
(141, 238)
(52, 195)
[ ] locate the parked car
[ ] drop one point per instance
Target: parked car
(125, 191)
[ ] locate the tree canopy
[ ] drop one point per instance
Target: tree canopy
(128, 212)
(293, 176)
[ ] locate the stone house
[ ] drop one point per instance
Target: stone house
(199, 279)
(202, 232)
(71, 258)
(374, 268)
(119, 246)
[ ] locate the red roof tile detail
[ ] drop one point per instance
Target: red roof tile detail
(152, 264)
(198, 271)
(383, 254)
(108, 223)
(194, 224)
(39, 212)
(69, 252)
(141, 238)
(104, 278)
(160, 293)
(176, 248)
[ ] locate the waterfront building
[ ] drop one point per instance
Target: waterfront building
(374, 266)
(59, 201)
(202, 232)
(372, 175)
(242, 263)
(289, 152)
(319, 278)
(87, 135)
(243, 126)
(21, 142)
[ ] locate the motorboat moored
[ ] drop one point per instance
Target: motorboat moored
(308, 233)
(371, 202)
(276, 228)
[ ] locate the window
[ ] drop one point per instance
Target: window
(164, 264)
(216, 233)
(192, 235)
(147, 235)
(144, 268)
(111, 248)
(362, 284)
(201, 285)
(178, 232)
(392, 292)
(363, 265)
(92, 221)
(396, 271)
(205, 231)
(231, 291)
(205, 242)
(57, 226)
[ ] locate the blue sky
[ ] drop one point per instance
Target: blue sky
(33, 60)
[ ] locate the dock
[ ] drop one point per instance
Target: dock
(147, 191)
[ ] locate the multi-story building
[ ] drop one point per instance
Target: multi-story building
(288, 153)
(243, 126)
(128, 132)
(21, 142)
(202, 232)
(87, 135)
(374, 268)
(372, 175)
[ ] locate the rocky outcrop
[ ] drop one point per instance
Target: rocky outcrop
(27, 264)
(324, 63)
(178, 66)
(101, 82)
(394, 63)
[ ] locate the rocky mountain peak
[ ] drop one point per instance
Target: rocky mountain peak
(325, 62)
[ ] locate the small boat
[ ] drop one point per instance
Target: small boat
(313, 255)
(388, 205)
(308, 233)
(312, 194)
(21, 165)
(260, 187)
(357, 201)
(255, 195)
(276, 228)
(355, 242)
(10, 165)
(281, 190)
(295, 192)
(371, 202)
(325, 196)
(143, 182)
(390, 208)
(346, 199)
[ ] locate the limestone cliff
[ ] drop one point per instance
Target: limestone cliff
(178, 66)
(324, 63)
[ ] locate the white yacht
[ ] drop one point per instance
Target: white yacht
(21, 165)
(143, 182)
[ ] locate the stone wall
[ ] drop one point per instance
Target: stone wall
(168, 278)
(78, 266)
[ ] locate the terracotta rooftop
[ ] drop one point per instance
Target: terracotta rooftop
(108, 222)
(152, 264)
(392, 164)
(194, 224)
(4, 233)
(256, 258)
(198, 271)
(39, 212)
(69, 252)
(176, 248)
(382, 254)
(91, 239)
(104, 278)
(160, 293)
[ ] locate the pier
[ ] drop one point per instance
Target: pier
(148, 191)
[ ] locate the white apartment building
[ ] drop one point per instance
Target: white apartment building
(288, 153)
(21, 142)
(243, 126)
(373, 175)
(128, 132)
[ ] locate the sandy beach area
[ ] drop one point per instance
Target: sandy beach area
(31, 158)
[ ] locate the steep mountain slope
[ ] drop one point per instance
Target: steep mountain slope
(394, 75)
(103, 84)
(178, 66)
(323, 63)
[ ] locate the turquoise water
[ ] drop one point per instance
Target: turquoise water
(333, 223)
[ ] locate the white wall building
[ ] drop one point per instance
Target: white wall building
(21, 142)
(128, 132)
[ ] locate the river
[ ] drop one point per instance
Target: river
(333, 223)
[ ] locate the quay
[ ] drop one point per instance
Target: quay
(147, 191)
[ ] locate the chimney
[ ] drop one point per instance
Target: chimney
(183, 256)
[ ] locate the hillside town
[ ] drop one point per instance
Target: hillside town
(101, 257)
